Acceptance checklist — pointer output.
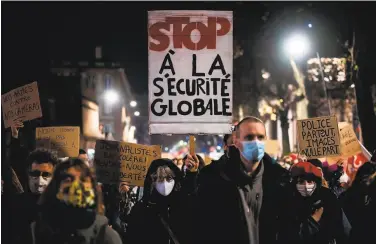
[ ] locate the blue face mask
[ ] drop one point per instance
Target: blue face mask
(253, 150)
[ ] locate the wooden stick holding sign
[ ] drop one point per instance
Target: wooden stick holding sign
(192, 154)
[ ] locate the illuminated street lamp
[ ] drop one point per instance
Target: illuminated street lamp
(136, 113)
(297, 46)
(133, 104)
(111, 96)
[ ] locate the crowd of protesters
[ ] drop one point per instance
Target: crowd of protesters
(245, 197)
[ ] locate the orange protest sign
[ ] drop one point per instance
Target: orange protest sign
(65, 140)
(21, 104)
(319, 137)
(349, 142)
(122, 161)
(272, 147)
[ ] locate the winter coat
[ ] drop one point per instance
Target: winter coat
(359, 205)
(24, 210)
(97, 233)
(298, 227)
(220, 211)
(151, 217)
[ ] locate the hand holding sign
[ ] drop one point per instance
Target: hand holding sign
(192, 163)
(15, 128)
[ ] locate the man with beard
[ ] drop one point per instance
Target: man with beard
(41, 164)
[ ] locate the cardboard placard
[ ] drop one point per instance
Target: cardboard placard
(350, 145)
(272, 147)
(319, 137)
(21, 104)
(122, 161)
(190, 71)
(65, 140)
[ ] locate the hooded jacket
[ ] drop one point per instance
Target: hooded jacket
(147, 216)
(297, 225)
(221, 214)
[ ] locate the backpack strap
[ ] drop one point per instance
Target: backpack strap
(101, 234)
(167, 227)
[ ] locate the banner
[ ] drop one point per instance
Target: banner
(272, 147)
(190, 72)
(21, 104)
(64, 140)
(349, 142)
(319, 137)
(122, 161)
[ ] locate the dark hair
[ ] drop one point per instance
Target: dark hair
(363, 173)
(247, 119)
(225, 138)
(49, 195)
(162, 173)
(40, 156)
(81, 151)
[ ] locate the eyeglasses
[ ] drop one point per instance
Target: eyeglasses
(37, 173)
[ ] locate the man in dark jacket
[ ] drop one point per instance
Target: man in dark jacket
(238, 196)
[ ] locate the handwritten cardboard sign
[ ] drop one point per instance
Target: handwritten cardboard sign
(190, 71)
(319, 137)
(272, 147)
(65, 140)
(349, 142)
(123, 161)
(21, 104)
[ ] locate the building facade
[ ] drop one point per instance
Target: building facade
(104, 94)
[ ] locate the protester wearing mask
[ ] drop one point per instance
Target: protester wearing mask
(41, 164)
(159, 216)
(237, 195)
(312, 214)
(69, 209)
(359, 204)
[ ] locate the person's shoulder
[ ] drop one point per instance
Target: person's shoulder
(111, 236)
(327, 194)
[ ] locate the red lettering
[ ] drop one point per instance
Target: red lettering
(181, 36)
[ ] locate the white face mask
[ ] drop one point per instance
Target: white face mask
(306, 189)
(165, 188)
(38, 184)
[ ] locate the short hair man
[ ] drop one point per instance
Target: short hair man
(41, 164)
(40, 167)
(243, 188)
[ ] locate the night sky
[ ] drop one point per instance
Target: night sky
(35, 33)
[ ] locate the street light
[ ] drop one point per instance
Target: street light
(133, 104)
(136, 113)
(297, 46)
(111, 96)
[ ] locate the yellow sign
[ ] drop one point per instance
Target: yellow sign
(122, 161)
(349, 142)
(272, 147)
(64, 140)
(21, 104)
(319, 137)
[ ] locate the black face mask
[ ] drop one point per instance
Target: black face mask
(71, 218)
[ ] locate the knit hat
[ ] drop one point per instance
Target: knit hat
(302, 169)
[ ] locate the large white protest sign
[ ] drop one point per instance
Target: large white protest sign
(190, 72)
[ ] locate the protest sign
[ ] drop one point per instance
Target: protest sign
(190, 72)
(21, 104)
(272, 147)
(350, 145)
(122, 161)
(319, 137)
(64, 140)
